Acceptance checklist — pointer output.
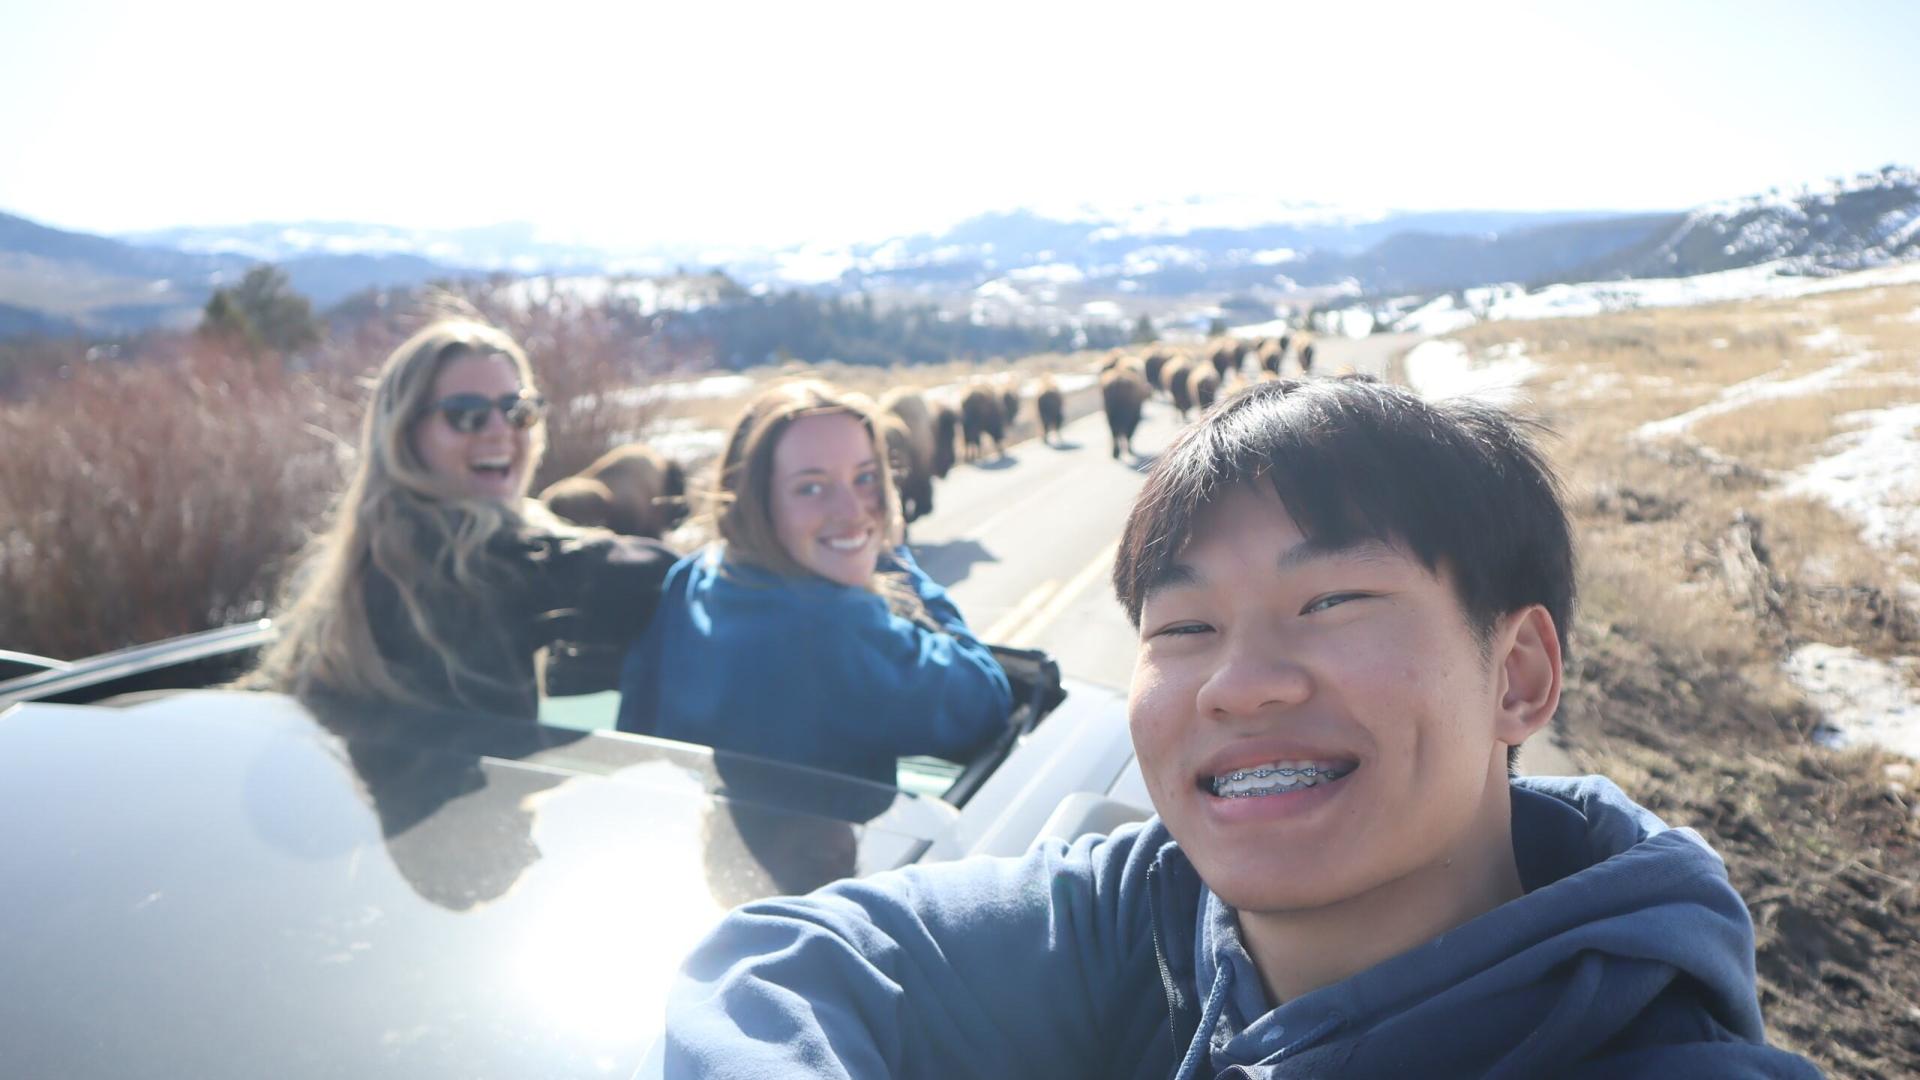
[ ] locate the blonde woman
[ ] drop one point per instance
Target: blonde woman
(806, 633)
(438, 581)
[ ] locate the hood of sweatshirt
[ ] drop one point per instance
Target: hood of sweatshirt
(1628, 945)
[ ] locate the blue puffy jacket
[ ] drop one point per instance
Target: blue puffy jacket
(809, 671)
(1630, 955)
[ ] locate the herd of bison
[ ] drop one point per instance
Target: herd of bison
(637, 490)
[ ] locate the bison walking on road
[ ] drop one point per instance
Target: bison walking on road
(1175, 374)
(1155, 367)
(580, 500)
(1272, 355)
(647, 490)
(1203, 385)
(913, 450)
(1052, 407)
(1122, 392)
(981, 416)
(946, 432)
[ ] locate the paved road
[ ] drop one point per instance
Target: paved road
(1026, 545)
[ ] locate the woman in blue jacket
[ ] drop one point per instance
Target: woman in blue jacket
(806, 633)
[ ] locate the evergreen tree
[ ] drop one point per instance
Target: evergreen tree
(1143, 331)
(262, 312)
(223, 321)
(1217, 328)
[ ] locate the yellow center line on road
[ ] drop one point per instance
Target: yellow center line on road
(1026, 635)
(1021, 612)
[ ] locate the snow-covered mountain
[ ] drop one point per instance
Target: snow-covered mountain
(1181, 260)
(1845, 224)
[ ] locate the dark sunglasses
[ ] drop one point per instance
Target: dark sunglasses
(467, 413)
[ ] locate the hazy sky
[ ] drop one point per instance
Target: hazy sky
(725, 123)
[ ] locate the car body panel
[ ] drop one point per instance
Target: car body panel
(238, 890)
(235, 883)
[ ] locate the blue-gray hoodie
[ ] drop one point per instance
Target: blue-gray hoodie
(1629, 955)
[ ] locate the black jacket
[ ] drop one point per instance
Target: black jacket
(587, 597)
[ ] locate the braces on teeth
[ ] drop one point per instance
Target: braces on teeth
(1291, 779)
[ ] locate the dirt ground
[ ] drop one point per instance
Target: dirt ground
(1700, 573)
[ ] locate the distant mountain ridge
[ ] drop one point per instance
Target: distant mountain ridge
(54, 281)
(1059, 267)
(1854, 224)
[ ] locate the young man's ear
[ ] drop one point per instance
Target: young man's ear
(1529, 657)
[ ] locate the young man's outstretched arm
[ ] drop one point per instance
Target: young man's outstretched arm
(1035, 966)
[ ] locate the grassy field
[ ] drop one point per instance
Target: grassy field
(1682, 433)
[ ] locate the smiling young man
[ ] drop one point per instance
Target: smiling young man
(1352, 608)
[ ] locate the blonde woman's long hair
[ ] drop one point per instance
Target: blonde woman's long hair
(741, 504)
(398, 518)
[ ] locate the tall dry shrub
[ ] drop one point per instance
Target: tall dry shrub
(148, 499)
(168, 491)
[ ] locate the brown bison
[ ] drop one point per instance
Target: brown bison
(981, 416)
(1010, 404)
(1113, 359)
(1306, 358)
(1156, 364)
(1052, 406)
(1271, 355)
(1175, 374)
(1221, 358)
(914, 502)
(648, 489)
(1122, 391)
(1203, 385)
(579, 500)
(913, 457)
(946, 431)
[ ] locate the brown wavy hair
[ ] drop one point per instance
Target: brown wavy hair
(741, 503)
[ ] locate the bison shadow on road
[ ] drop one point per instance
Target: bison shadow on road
(1007, 461)
(949, 563)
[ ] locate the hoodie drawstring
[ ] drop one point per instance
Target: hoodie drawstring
(1202, 1042)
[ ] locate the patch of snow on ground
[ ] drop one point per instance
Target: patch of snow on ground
(1073, 382)
(1874, 475)
(1252, 331)
(1759, 388)
(1350, 322)
(1770, 280)
(1865, 700)
(1584, 383)
(1436, 316)
(1823, 339)
(713, 386)
(684, 440)
(1443, 369)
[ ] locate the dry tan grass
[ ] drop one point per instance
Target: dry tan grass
(1697, 578)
